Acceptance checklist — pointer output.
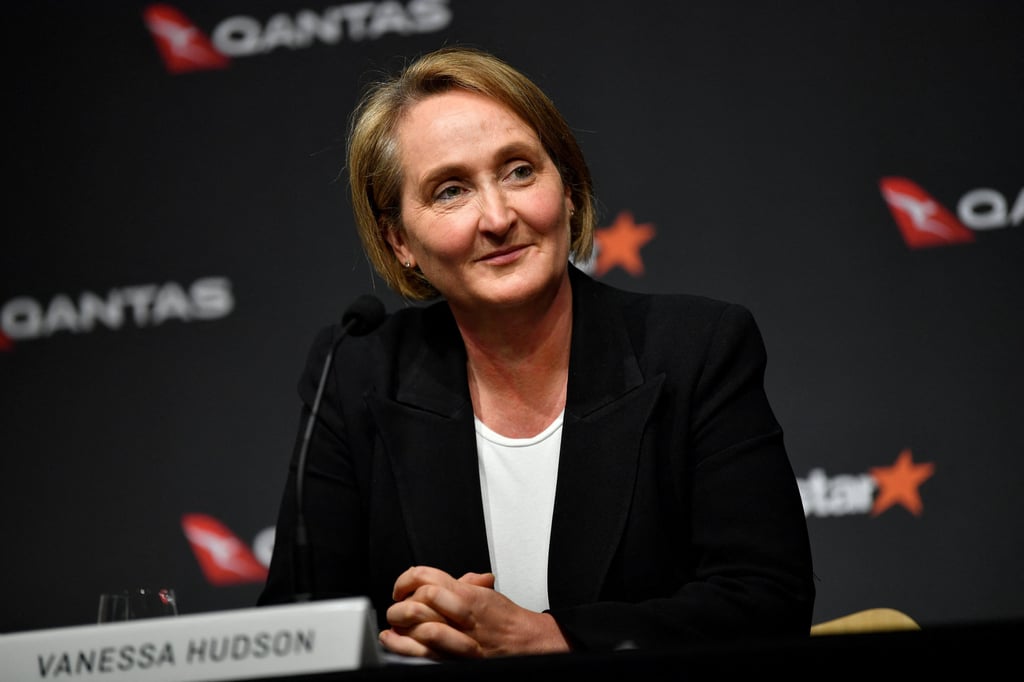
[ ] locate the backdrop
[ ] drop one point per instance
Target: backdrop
(178, 229)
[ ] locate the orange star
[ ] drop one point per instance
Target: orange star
(897, 484)
(620, 245)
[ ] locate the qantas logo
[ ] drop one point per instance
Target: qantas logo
(184, 47)
(223, 558)
(872, 493)
(25, 318)
(925, 223)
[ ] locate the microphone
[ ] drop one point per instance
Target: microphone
(364, 315)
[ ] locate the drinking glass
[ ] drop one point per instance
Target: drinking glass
(113, 607)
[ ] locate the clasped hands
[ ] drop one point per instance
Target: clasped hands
(438, 616)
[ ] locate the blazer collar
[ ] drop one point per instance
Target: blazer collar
(602, 363)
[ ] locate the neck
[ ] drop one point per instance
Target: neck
(518, 364)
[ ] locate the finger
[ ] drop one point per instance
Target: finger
(416, 576)
(409, 612)
(452, 603)
(404, 645)
(439, 639)
(456, 602)
(478, 579)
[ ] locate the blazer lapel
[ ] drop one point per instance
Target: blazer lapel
(430, 441)
(607, 408)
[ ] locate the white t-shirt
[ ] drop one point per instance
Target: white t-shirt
(517, 480)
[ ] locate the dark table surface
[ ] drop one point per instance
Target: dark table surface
(980, 648)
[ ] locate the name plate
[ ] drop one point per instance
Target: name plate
(249, 643)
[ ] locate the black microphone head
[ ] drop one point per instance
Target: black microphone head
(364, 315)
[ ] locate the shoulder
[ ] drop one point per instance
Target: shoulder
(416, 323)
(666, 331)
(662, 312)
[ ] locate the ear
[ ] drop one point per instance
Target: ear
(396, 241)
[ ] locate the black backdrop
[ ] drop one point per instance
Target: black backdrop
(174, 239)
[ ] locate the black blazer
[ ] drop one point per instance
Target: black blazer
(677, 514)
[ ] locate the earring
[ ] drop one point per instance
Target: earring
(407, 264)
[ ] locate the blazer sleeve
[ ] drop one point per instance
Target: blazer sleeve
(750, 573)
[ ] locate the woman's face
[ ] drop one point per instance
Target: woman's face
(484, 212)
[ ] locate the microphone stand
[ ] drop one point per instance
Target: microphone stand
(362, 317)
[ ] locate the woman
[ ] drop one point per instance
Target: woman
(535, 461)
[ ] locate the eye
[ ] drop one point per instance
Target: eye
(448, 193)
(523, 172)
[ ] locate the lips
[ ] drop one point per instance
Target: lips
(503, 256)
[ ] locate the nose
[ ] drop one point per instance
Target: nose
(497, 216)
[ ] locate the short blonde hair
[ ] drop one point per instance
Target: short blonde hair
(374, 166)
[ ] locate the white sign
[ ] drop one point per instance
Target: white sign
(265, 641)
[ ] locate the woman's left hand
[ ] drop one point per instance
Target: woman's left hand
(438, 616)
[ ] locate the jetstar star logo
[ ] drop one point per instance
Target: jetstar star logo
(899, 483)
(619, 245)
(870, 493)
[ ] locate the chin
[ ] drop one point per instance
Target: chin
(513, 290)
